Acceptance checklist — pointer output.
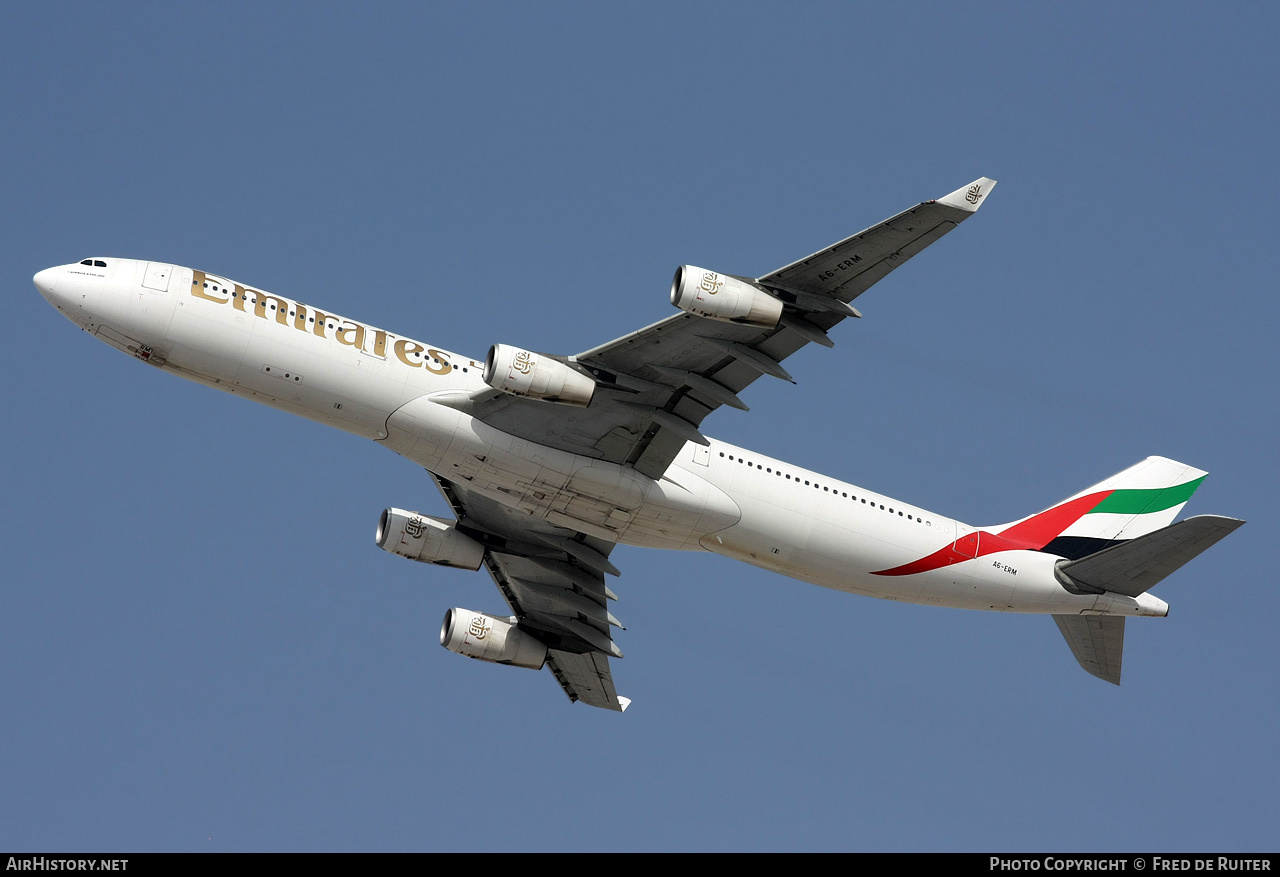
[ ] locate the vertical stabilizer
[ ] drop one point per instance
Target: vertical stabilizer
(1140, 500)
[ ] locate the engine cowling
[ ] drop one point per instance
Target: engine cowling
(708, 294)
(537, 376)
(486, 638)
(427, 539)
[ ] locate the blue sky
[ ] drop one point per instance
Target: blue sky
(201, 648)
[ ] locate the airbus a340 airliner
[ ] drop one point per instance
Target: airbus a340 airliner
(549, 461)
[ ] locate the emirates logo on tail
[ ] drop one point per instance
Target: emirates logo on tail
(974, 193)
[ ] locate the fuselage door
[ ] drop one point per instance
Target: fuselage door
(702, 455)
(967, 545)
(157, 276)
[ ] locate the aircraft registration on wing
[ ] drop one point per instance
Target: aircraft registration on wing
(548, 461)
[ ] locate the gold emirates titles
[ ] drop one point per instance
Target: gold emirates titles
(345, 331)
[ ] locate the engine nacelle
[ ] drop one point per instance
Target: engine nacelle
(524, 373)
(486, 638)
(719, 297)
(428, 539)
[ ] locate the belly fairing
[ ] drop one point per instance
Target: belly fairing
(601, 499)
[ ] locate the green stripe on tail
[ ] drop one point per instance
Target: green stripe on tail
(1139, 502)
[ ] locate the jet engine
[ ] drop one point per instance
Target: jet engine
(536, 375)
(428, 539)
(720, 297)
(486, 638)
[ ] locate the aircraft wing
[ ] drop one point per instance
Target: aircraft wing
(653, 389)
(655, 386)
(553, 580)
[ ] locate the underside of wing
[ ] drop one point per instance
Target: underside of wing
(850, 267)
(553, 580)
(654, 387)
(585, 676)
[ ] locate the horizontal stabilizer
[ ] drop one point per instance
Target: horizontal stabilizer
(1097, 641)
(1134, 567)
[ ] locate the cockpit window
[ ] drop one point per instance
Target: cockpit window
(98, 263)
(88, 262)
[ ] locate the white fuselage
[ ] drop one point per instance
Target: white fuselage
(380, 385)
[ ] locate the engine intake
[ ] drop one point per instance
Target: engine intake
(537, 376)
(486, 638)
(720, 297)
(427, 539)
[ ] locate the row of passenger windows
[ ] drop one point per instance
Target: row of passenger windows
(94, 263)
(245, 296)
(816, 486)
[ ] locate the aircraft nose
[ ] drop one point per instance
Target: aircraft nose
(47, 281)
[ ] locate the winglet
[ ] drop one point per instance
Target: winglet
(969, 198)
(623, 703)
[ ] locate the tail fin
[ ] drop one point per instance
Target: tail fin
(1140, 500)
(1118, 536)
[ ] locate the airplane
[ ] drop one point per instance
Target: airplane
(548, 461)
